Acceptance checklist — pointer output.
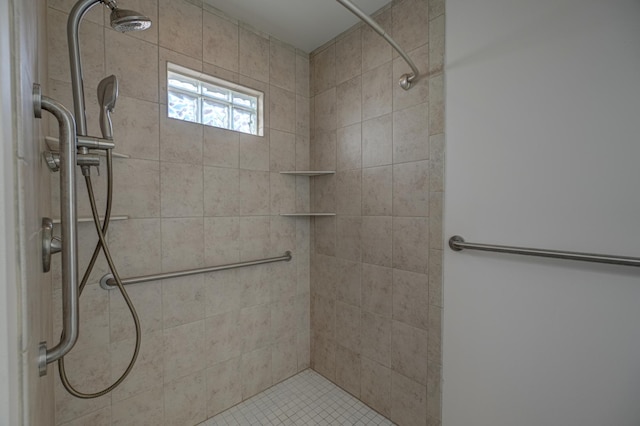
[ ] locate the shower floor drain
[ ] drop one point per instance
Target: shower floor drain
(304, 399)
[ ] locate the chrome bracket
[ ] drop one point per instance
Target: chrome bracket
(50, 243)
(42, 359)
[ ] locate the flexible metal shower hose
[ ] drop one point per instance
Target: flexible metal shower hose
(102, 244)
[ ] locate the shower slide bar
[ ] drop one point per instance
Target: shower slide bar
(405, 79)
(69, 234)
(457, 243)
(108, 283)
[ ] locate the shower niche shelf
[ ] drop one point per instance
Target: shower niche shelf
(308, 173)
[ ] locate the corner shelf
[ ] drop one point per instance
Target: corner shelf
(309, 173)
(307, 214)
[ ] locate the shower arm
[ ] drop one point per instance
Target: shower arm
(68, 210)
(406, 79)
(77, 85)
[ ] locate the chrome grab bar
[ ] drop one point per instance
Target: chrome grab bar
(457, 243)
(108, 283)
(405, 79)
(68, 217)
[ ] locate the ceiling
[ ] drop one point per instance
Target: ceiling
(306, 24)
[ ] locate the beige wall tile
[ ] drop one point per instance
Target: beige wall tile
(304, 351)
(303, 151)
(376, 386)
(323, 151)
(436, 105)
(324, 275)
(224, 386)
(255, 327)
(180, 141)
(302, 75)
(325, 235)
(182, 244)
(349, 147)
(377, 91)
(147, 299)
(436, 8)
(348, 370)
(349, 56)
(221, 191)
(256, 371)
(377, 142)
(282, 106)
(254, 151)
(283, 195)
(89, 370)
(181, 189)
(323, 356)
(254, 55)
(411, 243)
(434, 393)
(136, 128)
(435, 220)
(303, 115)
(135, 246)
(325, 118)
(408, 346)
(183, 349)
(180, 27)
(143, 409)
(283, 318)
(377, 289)
(376, 338)
(221, 147)
(348, 326)
(435, 278)
(435, 335)
(323, 69)
(137, 185)
(375, 50)
(348, 237)
(410, 134)
(134, 62)
(282, 151)
(409, 23)
(419, 91)
(94, 329)
(223, 292)
(348, 192)
(254, 237)
(101, 417)
(348, 278)
(436, 158)
(377, 191)
(282, 65)
(148, 371)
(256, 285)
(411, 298)
(254, 192)
(283, 238)
(411, 189)
(221, 240)
(323, 316)
(348, 102)
(220, 41)
(223, 335)
(408, 400)
(94, 14)
(185, 400)
(436, 45)
(183, 300)
(284, 359)
(377, 232)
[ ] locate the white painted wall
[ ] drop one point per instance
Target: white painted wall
(543, 150)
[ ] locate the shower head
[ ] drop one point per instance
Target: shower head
(127, 20)
(107, 96)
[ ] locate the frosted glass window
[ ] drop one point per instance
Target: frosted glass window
(199, 98)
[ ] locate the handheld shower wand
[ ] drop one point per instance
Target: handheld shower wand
(107, 96)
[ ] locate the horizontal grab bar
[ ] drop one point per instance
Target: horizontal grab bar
(107, 282)
(457, 243)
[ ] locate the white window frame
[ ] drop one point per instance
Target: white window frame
(209, 79)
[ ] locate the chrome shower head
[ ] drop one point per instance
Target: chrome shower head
(128, 20)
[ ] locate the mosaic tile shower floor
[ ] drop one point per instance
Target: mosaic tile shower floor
(305, 399)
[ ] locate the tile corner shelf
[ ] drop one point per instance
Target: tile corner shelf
(307, 214)
(309, 172)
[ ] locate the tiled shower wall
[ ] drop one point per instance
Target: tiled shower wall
(195, 196)
(376, 266)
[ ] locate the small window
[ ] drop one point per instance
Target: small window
(200, 98)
